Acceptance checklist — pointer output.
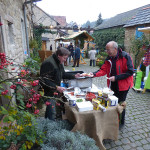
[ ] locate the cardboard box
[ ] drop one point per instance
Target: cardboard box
(84, 106)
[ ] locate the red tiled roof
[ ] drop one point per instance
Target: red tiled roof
(61, 20)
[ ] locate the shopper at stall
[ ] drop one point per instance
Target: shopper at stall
(71, 50)
(51, 74)
(76, 56)
(118, 67)
(92, 54)
(51, 47)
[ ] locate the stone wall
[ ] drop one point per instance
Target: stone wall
(12, 32)
(13, 28)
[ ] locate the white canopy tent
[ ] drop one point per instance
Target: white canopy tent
(145, 30)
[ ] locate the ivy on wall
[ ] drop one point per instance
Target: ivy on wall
(37, 33)
(102, 37)
(137, 48)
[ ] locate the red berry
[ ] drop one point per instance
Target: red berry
(36, 111)
(30, 99)
(47, 103)
(28, 105)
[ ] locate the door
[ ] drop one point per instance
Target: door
(43, 45)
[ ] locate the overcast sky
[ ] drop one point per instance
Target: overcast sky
(80, 11)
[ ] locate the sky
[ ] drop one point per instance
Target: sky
(81, 11)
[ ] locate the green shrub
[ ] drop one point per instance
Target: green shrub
(59, 136)
(33, 64)
(103, 54)
(101, 63)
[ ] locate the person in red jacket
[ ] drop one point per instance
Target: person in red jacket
(119, 69)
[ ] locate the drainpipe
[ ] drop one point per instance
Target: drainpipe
(2, 36)
(25, 21)
(26, 31)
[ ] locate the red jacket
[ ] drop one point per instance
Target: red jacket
(124, 71)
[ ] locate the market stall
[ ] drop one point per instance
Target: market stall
(146, 60)
(77, 36)
(94, 111)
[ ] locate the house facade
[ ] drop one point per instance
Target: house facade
(16, 20)
(140, 20)
(129, 21)
(41, 17)
(15, 30)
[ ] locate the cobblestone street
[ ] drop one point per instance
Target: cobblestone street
(135, 135)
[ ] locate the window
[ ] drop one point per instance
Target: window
(138, 34)
(23, 37)
(10, 33)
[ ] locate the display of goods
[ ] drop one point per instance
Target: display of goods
(80, 82)
(84, 106)
(86, 75)
(113, 100)
(95, 104)
(71, 93)
(79, 100)
(90, 96)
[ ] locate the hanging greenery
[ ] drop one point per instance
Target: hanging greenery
(37, 33)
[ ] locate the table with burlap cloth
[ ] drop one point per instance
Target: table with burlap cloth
(96, 124)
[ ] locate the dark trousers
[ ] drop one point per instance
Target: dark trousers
(70, 57)
(121, 95)
(76, 61)
(92, 61)
(50, 110)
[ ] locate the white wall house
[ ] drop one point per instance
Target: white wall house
(41, 17)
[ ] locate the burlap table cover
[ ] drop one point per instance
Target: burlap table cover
(96, 124)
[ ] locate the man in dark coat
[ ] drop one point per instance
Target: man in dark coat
(76, 56)
(51, 73)
(71, 50)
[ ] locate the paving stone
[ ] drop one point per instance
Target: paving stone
(137, 137)
(130, 134)
(130, 129)
(125, 135)
(131, 139)
(107, 146)
(125, 141)
(119, 148)
(145, 129)
(148, 139)
(112, 148)
(112, 144)
(118, 143)
(144, 141)
(133, 145)
(138, 143)
(126, 147)
(143, 136)
(136, 132)
(140, 148)
(146, 147)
